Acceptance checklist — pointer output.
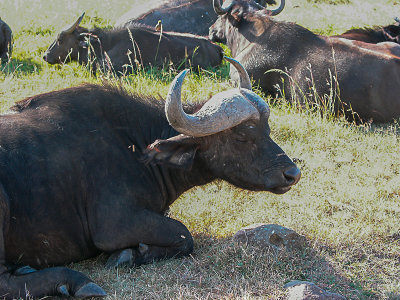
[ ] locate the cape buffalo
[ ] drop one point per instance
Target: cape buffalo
(92, 169)
(314, 68)
(193, 16)
(377, 34)
(5, 41)
(121, 49)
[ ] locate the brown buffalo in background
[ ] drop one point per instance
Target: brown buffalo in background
(138, 45)
(377, 34)
(321, 69)
(384, 39)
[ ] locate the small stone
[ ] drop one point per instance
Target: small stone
(271, 236)
(304, 290)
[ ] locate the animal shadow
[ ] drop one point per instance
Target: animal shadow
(220, 268)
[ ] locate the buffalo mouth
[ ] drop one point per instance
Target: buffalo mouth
(48, 59)
(282, 182)
(280, 190)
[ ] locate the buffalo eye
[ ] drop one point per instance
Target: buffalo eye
(241, 138)
(59, 40)
(244, 136)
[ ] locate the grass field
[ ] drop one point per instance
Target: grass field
(347, 203)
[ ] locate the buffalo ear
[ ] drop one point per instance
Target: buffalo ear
(178, 151)
(258, 28)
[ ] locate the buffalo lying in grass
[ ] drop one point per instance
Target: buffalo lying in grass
(5, 41)
(193, 16)
(384, 39)
(92, 169)
(122, 49)
(375, 35)
(328, 71)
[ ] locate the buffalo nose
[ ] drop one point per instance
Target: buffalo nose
(292, 175)
(45, 57)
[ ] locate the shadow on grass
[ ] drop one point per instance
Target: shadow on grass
(218, 268)
(386, 128)
(26, 66)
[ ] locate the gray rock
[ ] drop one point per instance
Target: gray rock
(271, 236)
(304, 290)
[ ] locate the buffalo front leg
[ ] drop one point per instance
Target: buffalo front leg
(27, 282)
(57, 281)
(147, 237)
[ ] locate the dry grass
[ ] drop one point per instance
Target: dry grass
(347, 203)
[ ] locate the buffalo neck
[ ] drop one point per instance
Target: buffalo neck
(148, 125)
(258, 32)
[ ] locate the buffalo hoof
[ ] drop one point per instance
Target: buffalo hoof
(90, 290)
(121, 258)
(63, 290)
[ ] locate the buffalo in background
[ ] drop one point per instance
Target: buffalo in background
(138, 45)
(378, 34)
(384, 39)
(93, 169)
(327, 71)
(189, 16)
(5, 41)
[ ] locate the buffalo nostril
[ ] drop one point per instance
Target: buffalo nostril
(292, 175)
(45, 57)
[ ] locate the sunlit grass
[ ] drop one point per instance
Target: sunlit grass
(347, 203)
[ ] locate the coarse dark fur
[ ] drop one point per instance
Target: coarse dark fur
(92, 169)
(124, 49)
(361, 81)
(193, 16)
(5, 41)
(376, 34)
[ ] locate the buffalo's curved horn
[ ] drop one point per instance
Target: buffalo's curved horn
(76, 24)
(278, 10)
(223, 111)
(244, 79)
(219, 10)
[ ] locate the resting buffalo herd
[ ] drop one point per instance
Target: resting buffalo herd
(147, 47)
(364, 77)
(151, 149)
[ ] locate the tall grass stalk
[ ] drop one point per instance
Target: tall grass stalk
(347, 203)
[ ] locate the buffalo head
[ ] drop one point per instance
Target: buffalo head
(232, 13)
(392, 32)
(67, 44)
(229, 137)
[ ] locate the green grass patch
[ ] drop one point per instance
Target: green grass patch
(347, 203)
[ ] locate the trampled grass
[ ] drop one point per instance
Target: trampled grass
(347, 203)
